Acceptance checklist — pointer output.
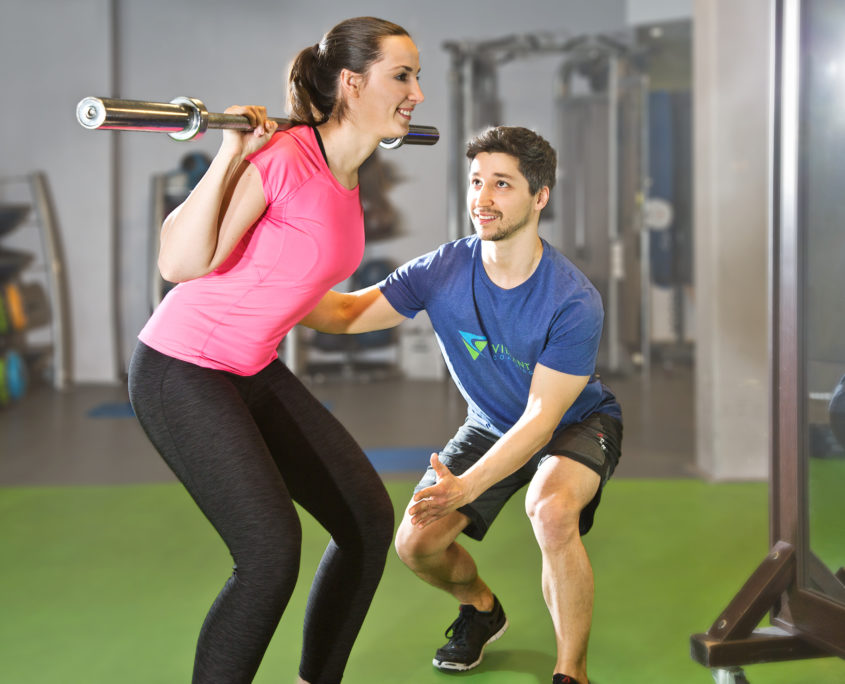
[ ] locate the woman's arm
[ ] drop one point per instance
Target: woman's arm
(201, 232)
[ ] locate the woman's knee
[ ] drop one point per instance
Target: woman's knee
(365, 525)
(267, 534)
(267, 562)
(380, 520)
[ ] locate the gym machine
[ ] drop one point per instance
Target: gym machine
(803, 593)
(34, 305)
(602, 109)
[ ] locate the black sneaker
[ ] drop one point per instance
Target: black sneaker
(564, 679)
(468, 635)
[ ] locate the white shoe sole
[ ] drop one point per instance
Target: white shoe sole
(462, 667)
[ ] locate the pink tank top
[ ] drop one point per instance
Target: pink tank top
(309, 238)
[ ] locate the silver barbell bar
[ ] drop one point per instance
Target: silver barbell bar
(186, 118)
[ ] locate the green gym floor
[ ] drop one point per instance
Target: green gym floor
(108, 568)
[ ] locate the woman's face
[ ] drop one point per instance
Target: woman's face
(391, 89)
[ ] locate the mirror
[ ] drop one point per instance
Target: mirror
(822, 226)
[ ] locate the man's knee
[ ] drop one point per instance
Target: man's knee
(414, 545)
(555, 520)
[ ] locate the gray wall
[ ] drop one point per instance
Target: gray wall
(646, 11)
(52, 53)
(731, 185)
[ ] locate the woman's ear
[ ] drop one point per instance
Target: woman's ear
(351, 83)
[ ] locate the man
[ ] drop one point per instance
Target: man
(519, 327)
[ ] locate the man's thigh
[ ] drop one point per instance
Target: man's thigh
(578, 463)
(563, 478)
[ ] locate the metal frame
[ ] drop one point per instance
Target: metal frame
(624, 79)
(52, 268)
(806, 601)
(56, 280)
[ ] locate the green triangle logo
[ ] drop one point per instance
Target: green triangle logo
(475, 344)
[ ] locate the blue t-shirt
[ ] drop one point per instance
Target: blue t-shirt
(492, 338)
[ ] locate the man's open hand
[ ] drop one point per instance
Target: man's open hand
(446, 495)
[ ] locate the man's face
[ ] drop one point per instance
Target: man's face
(498, 198)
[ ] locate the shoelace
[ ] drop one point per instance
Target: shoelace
(456, 631)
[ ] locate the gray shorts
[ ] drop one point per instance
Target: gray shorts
(596, 443)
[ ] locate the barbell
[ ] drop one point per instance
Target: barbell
(186, 118)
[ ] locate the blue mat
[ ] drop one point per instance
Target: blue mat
(120, 409)
(400, 459)
(385, 460)
(123, 409)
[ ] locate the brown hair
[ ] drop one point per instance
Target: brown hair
(536, 158)
(353, 44)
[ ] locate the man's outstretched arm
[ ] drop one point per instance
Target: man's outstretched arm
(549, 397)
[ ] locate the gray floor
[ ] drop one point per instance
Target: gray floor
(49, 438)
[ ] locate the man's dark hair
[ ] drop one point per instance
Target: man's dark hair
(537, 160)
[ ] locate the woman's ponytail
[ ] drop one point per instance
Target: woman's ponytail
(307, 100)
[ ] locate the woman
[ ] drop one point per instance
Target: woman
(271, 227)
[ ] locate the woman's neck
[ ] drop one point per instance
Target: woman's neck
(346, 149)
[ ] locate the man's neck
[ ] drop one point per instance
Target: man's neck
(510, 262)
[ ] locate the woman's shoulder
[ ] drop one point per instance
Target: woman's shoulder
(290, 157)
(294, 142)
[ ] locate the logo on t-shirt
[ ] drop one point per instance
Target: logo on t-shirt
(475, 344)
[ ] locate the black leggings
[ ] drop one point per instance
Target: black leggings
(246, 448)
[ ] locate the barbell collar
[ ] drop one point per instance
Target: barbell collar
(197, 122)
(417, 135)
